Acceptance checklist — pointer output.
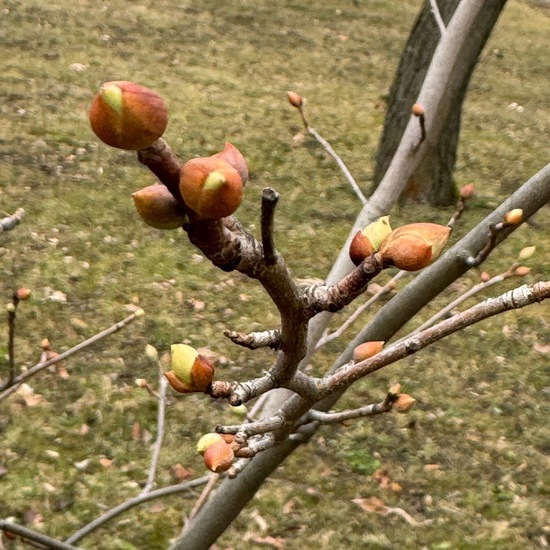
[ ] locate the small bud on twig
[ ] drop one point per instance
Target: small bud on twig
(404, 403)
(522, 270)
(23, 293)
(527, 252)
(294, 99)
(467, 191)
(514, 217)
(367, 349)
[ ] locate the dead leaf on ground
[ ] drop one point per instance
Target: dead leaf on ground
(371, 504)
(542, 348)
(180, 472)
(273, 542)
(136, 431)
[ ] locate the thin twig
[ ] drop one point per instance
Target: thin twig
(8, 223)
(386, 289)
(204, 495)
(131, 503)
(12, 313)
(367, 410)
(269, 202)
(513, 299)
(437, 17)
(494, 231)
(326, 145)
(163, 383)
(86, 343)
(340, 164)
(31, 535)
(463, 297)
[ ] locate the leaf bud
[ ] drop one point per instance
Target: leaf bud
(206, 440)
(151, 352)
(414, 246)
(368, 240)
(234, 157)
(211, 187)
(128, 116)
(467, 191)
(404, 403)
(395, 389)
(514, 217)
(194, 372)
(45, 344)
(527, 252)
(367, 349)
(418, 110)
(218, 457)
(294, 99)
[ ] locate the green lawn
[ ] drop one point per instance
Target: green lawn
(472, 459)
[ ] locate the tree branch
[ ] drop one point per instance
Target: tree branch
(513, 299)
(45, 364)
(131, 503)
(31, 535)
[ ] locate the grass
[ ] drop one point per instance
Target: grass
(472, 457)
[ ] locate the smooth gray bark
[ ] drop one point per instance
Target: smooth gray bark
(432, 180)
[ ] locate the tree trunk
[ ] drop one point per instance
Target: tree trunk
(433, 179)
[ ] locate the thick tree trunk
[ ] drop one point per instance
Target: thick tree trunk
(433, 179)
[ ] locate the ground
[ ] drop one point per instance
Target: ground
(469, 465)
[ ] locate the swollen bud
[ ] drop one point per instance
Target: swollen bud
(367, 349)
(294, 99)
(404, 403)
(128, 116)
(522, 270)
(414, 246)
(211, 187)
(418, 110)
(190, 371)
(23, 293)
(368, 241)
(218, 457)
(467, 191)
(158, 208)
(514, 217)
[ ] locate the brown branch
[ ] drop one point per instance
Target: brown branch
(494, 231)
(164, 163)
(254, 340)
(514, 299)
(334, 297)
(269, 202)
